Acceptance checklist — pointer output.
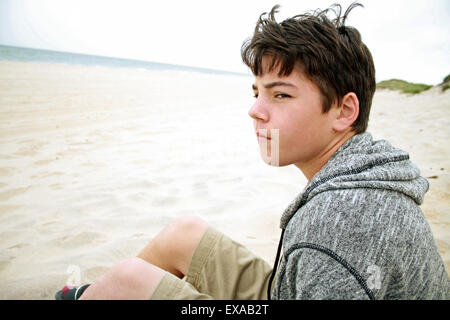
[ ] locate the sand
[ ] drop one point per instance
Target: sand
(95, 161)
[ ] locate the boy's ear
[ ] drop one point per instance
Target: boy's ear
(347, 112)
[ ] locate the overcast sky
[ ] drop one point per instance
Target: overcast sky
(409, 39)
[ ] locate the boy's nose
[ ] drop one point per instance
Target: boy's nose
(257, 111)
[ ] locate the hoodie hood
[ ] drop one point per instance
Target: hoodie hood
(363, 163)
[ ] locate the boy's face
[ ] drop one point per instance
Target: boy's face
(293, 105)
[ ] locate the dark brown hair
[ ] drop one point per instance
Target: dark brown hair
(330, 54)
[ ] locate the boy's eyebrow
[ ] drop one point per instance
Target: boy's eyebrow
(271, 85)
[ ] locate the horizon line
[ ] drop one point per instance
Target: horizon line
(194, 68)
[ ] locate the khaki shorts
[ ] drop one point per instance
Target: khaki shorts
(220, 269)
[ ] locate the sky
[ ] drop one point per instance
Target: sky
(409, 39)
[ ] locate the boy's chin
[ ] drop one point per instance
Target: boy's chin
(274, 162)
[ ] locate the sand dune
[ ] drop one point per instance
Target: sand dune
(95, 161)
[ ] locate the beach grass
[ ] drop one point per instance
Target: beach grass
(446, 83)
(403, 86)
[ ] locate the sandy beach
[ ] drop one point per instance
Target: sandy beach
(95, 161)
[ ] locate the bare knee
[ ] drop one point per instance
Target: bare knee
(173, 247)
(180, 239)
(185, 226)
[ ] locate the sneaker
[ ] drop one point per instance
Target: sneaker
(70, 293)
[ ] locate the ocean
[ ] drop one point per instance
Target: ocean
(10, 53)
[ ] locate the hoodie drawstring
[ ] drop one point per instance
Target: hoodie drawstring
(275, 265)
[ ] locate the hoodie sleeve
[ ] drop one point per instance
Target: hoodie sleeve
(314, 275)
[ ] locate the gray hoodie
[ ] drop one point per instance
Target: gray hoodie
(357, 232)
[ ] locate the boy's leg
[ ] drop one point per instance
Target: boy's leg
(137, 278)
(214, 266)
(172, 249)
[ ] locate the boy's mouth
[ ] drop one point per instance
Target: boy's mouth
(261, 136)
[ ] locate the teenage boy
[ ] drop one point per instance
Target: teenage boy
(355, 232)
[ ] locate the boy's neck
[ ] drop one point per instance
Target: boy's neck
(310, 168)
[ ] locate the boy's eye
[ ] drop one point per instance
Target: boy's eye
(255, 95)
(282, 95)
